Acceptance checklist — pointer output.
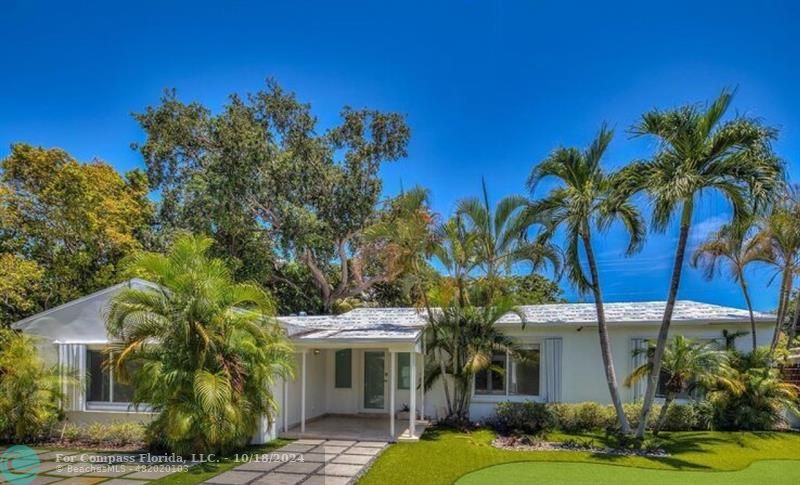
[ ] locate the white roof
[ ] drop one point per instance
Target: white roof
(83, 320)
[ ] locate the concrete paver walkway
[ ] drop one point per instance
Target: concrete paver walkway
(307, 462)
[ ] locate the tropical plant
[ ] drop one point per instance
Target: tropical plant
(778, 245)
(754, 397)
(30, 390)
(686, 365)
(204, 350)
(735, 245)
(698, 153)
(585, 201)
(456, 252)
(461, 342)
(500, 244)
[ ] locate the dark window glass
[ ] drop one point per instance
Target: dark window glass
(99, 389)
(403, 370)
(123, 392)
(344, 364)
(492, 381)
(525, 374)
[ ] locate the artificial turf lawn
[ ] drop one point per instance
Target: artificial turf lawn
(444, 456)
(771, 472)
(204, 471)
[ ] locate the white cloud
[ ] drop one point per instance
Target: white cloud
(702, 230)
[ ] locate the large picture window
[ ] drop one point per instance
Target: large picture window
(102, 387)
(507, 376)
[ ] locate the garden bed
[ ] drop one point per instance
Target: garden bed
(525, 443)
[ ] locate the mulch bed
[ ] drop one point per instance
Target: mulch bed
(525, 443)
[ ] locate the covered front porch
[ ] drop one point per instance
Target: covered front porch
(358, 427)
(359, 384)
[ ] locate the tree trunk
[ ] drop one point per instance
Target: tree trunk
(783, 303)
(663, 414)
(605, 343)
(795, 317)
(663, 332)
(749, 304)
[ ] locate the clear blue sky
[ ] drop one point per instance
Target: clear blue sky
(489, 87)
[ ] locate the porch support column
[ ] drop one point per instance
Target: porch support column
(422, 382)
(285, 410)
(412, 405)
(392, 380)
(303, 393)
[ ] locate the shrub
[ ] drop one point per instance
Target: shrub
(633, 412)
(105, 435)
(704, 414)
(584, 416)
(29, 390)
(71, 432)
(680, 417)
(523, 418)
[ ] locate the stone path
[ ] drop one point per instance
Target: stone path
(70, 467)
(307, 462)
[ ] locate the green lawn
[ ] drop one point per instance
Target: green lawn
(202, 472)
(444, 456)
(773, 472)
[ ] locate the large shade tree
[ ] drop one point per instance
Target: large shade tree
(584, 202)
(201, 350)
(261, 178)
(65, 226)
(698, 152)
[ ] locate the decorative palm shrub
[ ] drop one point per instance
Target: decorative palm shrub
(30, 390)
(205, 350)
(755, 398)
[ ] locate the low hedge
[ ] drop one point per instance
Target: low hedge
(529, 417)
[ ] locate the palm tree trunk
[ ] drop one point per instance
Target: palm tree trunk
(749, 304)
(663, 414)
(783, 303)
(663, 332)
(605, 343)
(795, 317)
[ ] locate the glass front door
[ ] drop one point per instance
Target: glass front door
(374, 380)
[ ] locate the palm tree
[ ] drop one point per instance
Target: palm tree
(456, 252)
(587, 200)
(686, 364)
(500, 243)
(467, 338)
(207, 353)
(778, 245)
(733, 244)
(698, 153)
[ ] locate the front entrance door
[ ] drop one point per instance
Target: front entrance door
(374, 380)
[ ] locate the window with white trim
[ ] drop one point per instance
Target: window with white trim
(102, 387)
(506, 376)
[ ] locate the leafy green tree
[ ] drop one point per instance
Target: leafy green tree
(202, 350)
(587, 200)
(259, 179)
(30, 390)
(531, 289)
(735, 246)
(686, 365)
(74, 221)
(699, 153)
(20, 287)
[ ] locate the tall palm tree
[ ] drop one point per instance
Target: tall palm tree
(456, 252)
(698, 153)
(206, 351)
(686, 364)
(778, 244)
(735, 245)
(499, 242)
(587, 200)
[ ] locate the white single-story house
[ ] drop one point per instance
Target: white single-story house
(355, 370)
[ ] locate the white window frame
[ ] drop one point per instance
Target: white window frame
(109, 405)
(507, 395)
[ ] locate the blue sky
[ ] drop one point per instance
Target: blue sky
(489, 87)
